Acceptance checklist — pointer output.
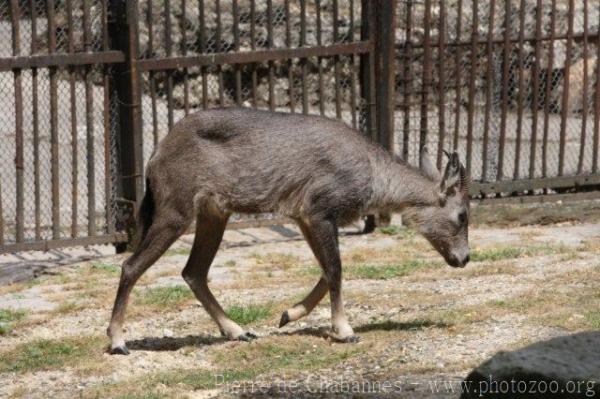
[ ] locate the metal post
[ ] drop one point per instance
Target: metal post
(367, 67)
(123, 33)
(385, 16)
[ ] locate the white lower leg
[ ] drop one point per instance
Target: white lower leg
(228, 327)
(305, 306)
(339, 323)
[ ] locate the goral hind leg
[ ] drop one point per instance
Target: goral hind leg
(209, 233)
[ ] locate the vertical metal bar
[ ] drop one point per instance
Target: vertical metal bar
(186, 86)
(548, 93)
(123, 32)
(320, 59)
(367, 67)
(565, 98)
(152, 74)
(53, 124)
(150, 25)
(472, 81)
(408, 81)
(385, 70)
(304, 62)
(89, 117)
(253, 47)
(169, 52)
(220, 50)
(270, 63)
(236, 41)
(336, 61)
(596, 144)
(458, 75)
(352, 71)
(505, 86)
(536, 89)
(35, 123)
(290, 64)
(108, 159)
(442, 83)
(586, 83)
(426, 79)
(521, 89)
(203, 70)
(74, 135)
(19, 141)
(489, 75)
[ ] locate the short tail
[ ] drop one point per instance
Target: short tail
(146, 213)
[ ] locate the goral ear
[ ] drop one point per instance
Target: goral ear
(428, 165)
(453, 179)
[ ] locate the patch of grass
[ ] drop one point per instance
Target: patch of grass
(108, 268)
(591, 245)
(286, 353)
(48, 354)
(236, 364)
(510, 252)
(392, 230)
(165, 296)
(495, 254)
(178, 251)
(246, 314)
(276, 260)
(147, 395)
(230, 263)
(460, 317)
(8, 317)
(593, 319)
(312, 270)
(490, 270)
(384, 272)
(204, 379)
(552, 307)
(68, 307)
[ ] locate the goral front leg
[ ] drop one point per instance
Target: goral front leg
(325, 240)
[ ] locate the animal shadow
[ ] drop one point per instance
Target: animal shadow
(160, 344)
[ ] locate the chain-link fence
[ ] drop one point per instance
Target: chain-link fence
(69, 123)
(89, 87)
(315, 85)
(512, 84)
(57, 130)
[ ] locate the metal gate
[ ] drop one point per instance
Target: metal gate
(90, 86)
(513, 85)
(56, 135)
(291, 56)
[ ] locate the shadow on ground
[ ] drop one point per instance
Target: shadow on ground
(377, 326)
(563, 367)
(159, 344)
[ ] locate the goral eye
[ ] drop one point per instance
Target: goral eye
(462, 218)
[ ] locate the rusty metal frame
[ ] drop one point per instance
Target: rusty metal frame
(250, 57)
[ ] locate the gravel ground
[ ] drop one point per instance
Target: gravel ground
(424, 325)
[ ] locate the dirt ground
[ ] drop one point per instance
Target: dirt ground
(424, 326)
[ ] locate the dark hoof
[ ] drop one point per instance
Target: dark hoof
(119, 350)
(353, 339)
(285, 318)
(247, 337)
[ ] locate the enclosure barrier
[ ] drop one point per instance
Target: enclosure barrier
(89, 87)
(513, 85)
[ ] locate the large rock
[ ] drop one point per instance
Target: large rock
(563, 367)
